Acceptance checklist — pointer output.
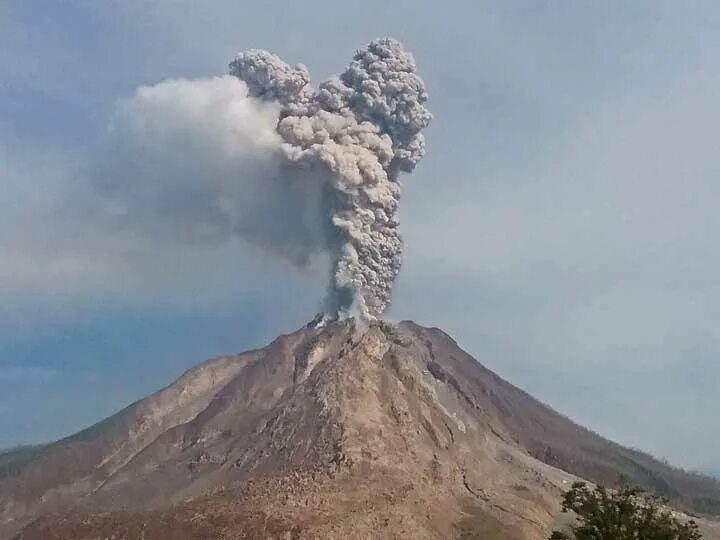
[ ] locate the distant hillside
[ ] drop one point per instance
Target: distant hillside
(12, 460)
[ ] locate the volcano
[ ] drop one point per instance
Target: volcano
(333, 431)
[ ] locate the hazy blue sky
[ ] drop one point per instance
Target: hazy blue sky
(561, 227)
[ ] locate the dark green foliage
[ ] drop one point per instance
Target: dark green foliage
(625, 514)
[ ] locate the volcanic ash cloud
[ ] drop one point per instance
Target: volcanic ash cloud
(359, 130)
(261, 156)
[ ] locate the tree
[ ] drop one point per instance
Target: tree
(626, 514)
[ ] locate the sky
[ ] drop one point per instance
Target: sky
(560, 228)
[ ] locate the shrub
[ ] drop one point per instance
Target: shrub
(626, 514)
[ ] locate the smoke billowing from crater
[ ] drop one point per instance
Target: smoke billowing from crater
(363, 128)
(261, 156)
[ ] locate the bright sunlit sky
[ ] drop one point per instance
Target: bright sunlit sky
(561, 227)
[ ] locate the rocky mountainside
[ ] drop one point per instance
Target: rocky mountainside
(331, 432)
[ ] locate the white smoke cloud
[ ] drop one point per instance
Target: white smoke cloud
(198, 161)
(261, 156)
(255, 157)
(186, 198)
(364, 128)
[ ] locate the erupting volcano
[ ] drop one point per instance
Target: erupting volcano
(351, 427)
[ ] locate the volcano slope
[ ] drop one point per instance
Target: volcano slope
(326, 433)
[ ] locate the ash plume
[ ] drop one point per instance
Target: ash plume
(262, 157)
(361, 129)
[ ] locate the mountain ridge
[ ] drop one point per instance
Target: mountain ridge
(315, 412)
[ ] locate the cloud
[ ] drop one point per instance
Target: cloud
(187, 177)
(197, 162)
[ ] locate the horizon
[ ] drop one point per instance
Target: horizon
(557, 228)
